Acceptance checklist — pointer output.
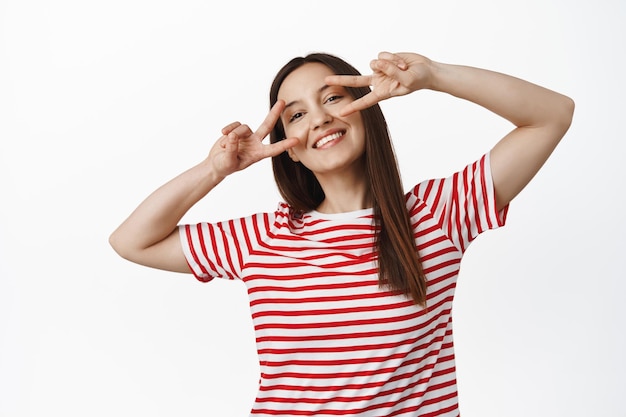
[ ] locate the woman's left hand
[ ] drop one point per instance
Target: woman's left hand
(393, 75)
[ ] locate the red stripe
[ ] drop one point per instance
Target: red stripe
(475, 204)
(320, 274)
(359, 411)
(333, 311)
(369, 385)
(313, 287)
(370, 346)
(289, 265)
(204, 247)
(437, 254)
(467, 190)
(345, 323)
(486, 193)
(195, 255)
(337, 228)
(230, 268)
(346, 399)
(331, 299)
(454, 223)
(441, 265)
(236, 244)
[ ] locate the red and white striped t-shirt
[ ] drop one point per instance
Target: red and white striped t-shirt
(330, 341)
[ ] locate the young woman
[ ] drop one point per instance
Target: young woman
(351, 280)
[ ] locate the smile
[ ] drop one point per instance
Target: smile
(323, 141)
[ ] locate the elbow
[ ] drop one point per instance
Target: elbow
(570, 106)
(559, 116)
(117, 243)
(566, 114)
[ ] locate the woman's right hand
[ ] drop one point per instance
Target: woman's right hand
(239, 147)
(149, 236)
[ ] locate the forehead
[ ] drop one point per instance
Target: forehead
(307, 79)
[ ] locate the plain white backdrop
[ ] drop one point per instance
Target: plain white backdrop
(102, 102)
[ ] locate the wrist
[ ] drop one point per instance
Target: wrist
(208, 175)
(438, 73)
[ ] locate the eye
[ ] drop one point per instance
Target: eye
(333, 98)
(295, 116)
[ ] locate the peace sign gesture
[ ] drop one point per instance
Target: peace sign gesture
(239, 147)
(393, 75)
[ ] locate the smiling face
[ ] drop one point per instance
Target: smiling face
(328, 143)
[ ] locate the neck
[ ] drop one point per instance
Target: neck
(348, 191)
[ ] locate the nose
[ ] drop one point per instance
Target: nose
(320, 117)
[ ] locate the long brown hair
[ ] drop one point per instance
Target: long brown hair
(399, 267)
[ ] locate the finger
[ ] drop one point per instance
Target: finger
(270, 120)
(222, 141)
(280, 146)
(349, 80)
(232, 145)
(387, 67)
(242, 131)
(362, 103)
(229, 128)
(395, 58)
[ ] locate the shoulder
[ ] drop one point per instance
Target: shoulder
(433, 188)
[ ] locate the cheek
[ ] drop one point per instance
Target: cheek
(301, 146)
(296, 133)
(294, 153)
(356, 119)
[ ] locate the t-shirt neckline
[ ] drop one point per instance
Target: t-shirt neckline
(341, 216)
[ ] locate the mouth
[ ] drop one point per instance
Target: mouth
(328, 138)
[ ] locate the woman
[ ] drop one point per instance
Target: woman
(350, 281)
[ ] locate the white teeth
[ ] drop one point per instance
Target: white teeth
(327, 139)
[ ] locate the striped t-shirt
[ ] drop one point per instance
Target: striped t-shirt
(330, 341)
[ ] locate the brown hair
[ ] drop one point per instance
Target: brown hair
(399, 267)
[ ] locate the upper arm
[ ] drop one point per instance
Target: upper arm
(166, 255)
(517, 157)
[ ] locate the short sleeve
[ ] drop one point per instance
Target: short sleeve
(463, 204)
(214, 250)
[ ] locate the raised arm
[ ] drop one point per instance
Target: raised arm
(541, 116)
(149, 235)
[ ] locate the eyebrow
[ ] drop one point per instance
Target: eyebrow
(291, 103)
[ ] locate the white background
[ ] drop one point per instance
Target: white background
(101, 102)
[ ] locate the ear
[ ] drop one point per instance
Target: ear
(293, 155)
